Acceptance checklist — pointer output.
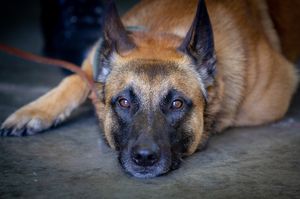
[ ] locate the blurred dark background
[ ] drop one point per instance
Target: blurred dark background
(62, 29)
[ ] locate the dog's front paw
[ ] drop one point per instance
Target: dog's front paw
(26, 122)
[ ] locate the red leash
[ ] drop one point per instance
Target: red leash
(54, 62)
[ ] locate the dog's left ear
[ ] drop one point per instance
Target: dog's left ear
(199, 44)
(115, 39)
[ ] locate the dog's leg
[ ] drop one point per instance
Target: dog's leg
(50, 109)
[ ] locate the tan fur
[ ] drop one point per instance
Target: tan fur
(254, 82)
(248, 56)
(53, 107)
(152, 90)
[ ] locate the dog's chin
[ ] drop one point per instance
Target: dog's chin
(162, 167)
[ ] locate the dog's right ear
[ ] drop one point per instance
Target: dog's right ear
(114, 39)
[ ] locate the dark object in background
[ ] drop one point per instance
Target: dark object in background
(70, 27)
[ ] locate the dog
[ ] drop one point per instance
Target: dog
(171, 73)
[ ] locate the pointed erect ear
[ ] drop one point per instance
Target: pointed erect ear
(114, 32)
(114, 39)
(199, 44)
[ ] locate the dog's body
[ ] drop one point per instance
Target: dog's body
(253, 83)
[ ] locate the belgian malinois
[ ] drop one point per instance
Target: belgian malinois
(180, 76)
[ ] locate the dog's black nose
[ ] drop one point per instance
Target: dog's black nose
(145, 156)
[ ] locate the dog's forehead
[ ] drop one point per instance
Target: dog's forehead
(153, 46)
(152, 79)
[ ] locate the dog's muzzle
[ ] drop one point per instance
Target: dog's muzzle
(145, 158)
(145, 155)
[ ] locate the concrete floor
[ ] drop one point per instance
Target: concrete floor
(71, 161)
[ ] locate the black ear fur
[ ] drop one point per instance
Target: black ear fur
(114, 39)
(199, 44)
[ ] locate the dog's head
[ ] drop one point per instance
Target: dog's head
(153, 87)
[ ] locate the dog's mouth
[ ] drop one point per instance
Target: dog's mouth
(166, 163)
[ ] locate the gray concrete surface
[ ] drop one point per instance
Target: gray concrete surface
(71, 161)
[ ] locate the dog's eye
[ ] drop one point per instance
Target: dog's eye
(124, 103)
(177, 104)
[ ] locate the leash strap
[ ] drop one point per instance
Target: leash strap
(53, 62)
